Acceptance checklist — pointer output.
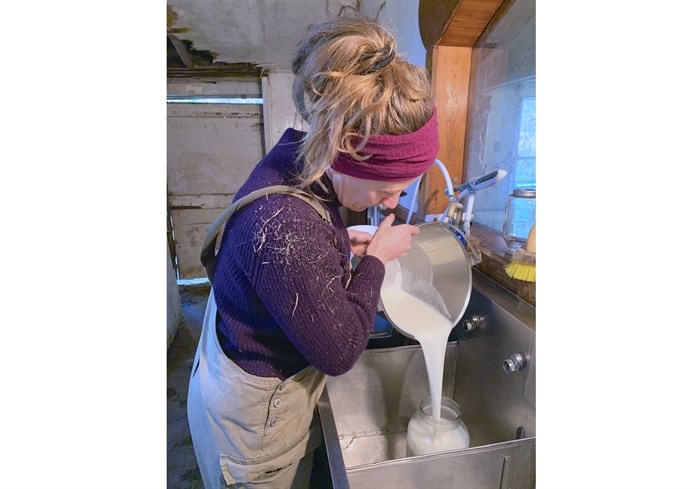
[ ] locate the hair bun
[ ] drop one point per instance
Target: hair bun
(387, 56)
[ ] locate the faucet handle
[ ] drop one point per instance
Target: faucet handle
(514, 363)
(472, 322)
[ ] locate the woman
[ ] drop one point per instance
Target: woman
(286, 310)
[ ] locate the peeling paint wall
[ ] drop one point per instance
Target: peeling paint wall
(212, 148)
(266, 32)
(260, 32)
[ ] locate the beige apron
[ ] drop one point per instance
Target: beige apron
(250, 431)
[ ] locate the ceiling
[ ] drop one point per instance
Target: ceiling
(259, 33)
(251, 36)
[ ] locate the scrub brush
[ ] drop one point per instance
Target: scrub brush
(523, 265)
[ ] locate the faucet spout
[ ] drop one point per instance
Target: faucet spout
(453, 213)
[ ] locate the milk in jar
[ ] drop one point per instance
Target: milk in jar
(426, 434)
(444, 429)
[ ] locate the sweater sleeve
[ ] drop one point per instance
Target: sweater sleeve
(296, 263)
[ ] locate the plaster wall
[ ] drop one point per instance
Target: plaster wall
(266, 32)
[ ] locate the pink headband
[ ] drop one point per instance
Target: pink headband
(394, 157)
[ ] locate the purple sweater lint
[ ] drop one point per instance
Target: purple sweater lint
(283, 285)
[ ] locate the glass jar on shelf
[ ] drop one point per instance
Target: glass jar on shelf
(519, 218)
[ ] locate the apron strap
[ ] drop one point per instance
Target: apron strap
(213, 237)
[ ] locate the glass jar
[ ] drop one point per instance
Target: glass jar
(428, 435)
(520, 217)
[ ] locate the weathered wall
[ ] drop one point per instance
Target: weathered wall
(174, 313)
(266, 33)
(212, 148)
(247, 31)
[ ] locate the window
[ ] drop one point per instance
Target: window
(525, 162)
(502, 109)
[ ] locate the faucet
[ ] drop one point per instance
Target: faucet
(468, 190)
(455, 213)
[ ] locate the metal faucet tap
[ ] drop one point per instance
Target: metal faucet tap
(453, 213)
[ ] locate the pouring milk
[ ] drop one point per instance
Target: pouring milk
(412, 298)
(430, 328)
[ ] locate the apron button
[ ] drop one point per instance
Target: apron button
(277, 403)
(281, 387)
(273, 421)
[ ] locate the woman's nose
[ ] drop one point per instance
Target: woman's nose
(392, 201)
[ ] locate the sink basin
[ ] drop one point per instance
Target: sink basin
(365, 412)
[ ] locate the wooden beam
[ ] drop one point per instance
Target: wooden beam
(434, 18)
(449, 30)
(450, 80)
(468, 22)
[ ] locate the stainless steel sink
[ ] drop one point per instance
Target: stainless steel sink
(489, 372)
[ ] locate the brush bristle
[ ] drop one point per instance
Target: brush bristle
(521, 271)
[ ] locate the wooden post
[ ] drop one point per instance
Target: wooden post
(450, 79)
(449, 29)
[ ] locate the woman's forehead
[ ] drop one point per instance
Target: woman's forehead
(387, 186)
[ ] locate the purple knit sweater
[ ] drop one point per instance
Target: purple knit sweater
(285, 293)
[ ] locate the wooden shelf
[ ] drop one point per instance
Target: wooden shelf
(494, 257)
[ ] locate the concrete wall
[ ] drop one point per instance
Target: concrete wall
(174, 313)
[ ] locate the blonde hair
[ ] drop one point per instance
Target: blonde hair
(350, 84)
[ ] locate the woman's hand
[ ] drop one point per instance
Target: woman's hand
(390, 242)
(359, 240)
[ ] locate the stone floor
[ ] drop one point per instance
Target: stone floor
(183, 472)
